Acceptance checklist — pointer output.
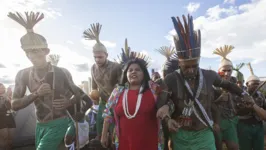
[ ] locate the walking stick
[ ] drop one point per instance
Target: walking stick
(77, 129)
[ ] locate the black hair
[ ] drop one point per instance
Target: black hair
(143, 67)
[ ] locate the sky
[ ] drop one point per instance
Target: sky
(146, 24)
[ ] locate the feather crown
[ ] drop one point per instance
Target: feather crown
(239, 75)
(93, 33)
(166, 51)
(187, 41)
(223, 52)
(30, 40)
(128, 55)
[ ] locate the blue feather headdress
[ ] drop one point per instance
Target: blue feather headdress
(127, 55)
(187, 41)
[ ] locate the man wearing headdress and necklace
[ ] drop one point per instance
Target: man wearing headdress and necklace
(251, 117)
(105, 74)
(226, 101)
(52, 89)
(192, 93)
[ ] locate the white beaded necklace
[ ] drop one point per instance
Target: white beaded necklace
(125, 104)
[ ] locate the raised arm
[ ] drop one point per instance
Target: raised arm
(227, 85)
(19, 100)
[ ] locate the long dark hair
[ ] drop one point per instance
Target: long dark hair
(143, 67)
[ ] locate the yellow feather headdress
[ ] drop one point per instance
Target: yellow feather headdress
(30, 40)
(93, 33)
(223, 52)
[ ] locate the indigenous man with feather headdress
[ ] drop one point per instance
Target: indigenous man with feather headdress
(226, 102)
(192, 92)
(105, 73)
(250, 126)
(52, 89)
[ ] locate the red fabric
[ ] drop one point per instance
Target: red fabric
(141, 132)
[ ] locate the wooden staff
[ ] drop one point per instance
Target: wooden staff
(77, 128)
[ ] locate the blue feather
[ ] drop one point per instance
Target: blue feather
(191, 37)
(178, 32)
(191, 32)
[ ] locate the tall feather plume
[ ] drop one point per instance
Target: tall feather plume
(127, 55)
(144, 57)
(187, 41)
(93, 33)
(166, 51)
(250, 68)
(223, 51)
(29, 21)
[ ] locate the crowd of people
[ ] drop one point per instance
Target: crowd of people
(188, 108)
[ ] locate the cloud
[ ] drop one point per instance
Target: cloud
(28, 5)
(192, 7)
(69, 42)
(2, 66)
(89, 44)
(244, 27)
(6, 80)
(229, 1)
(10, 36)
(216, 12)
(82, 67)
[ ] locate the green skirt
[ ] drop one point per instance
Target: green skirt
(229, 130)
(193, 140)
(50, 135)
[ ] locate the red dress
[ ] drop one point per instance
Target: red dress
(141, 132)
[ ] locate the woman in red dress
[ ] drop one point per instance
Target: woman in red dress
(132, 107)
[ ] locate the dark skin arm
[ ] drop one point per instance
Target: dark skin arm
(19, 100)
(75, 90)
(227, 85)
(260, 111)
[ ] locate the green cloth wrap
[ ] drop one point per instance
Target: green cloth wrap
(71, 130)
(193, 140)
(50, 135)
(250, 136)
(228, 130)
(99, 121)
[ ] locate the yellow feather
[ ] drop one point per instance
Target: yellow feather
(223, 51)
